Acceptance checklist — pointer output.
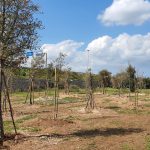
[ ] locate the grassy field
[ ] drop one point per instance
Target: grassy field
(114, 124)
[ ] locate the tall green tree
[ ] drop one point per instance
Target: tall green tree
(105, 79)
(131, 73)
(18, 33)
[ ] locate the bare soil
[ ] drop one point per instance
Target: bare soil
(112, 125)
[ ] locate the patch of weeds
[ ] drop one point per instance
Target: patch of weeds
(69, 100)
(74, 88)
(91, 146)
(117, 122)
(51, 92)
(111, 90)
(19, 94)
(106, 100)
(147, 105)
(30, 129)
(126, 147)
(8, 126)
(82, 91)
(84, 119)
(147, 143)
(66, 139)
(19, 97)
(146, 99)
(26, 118)
(131, 111)
(70, 119)
(41, 102)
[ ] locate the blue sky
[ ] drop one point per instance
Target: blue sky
(77, 21)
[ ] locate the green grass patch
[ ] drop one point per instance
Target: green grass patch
(132, 111)
(91, 146)
(113, 91)
(127, 111)
(19, 94)
(146, 99)
(77, 90)
(106, 100)
(30, 129)
(126, 147)
(69, 100)
(70, 119)
(145, 91)
(147, 143)
(8, 125)
(117, 123)
(28, 117)
(60, 101)
(147, 105)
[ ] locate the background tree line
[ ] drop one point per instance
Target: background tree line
(104, 79)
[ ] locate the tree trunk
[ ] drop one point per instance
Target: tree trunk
(56, 95)
(30, 91)
(1, 116)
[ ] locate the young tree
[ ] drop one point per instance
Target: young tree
(51, 71)
(89, 90)
(119, 80)
(59, 62)
(18, 32)
(139, 85)
(66, 79)
(37, 64)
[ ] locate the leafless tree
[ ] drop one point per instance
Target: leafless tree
(89, 91)
(37, 64)
(139, 85)
(66, 79)
(59, 62)
(118, 81)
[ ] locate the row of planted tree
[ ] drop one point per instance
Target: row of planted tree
(18, 33)
(126, 79)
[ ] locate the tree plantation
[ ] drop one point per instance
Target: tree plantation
(45, 104)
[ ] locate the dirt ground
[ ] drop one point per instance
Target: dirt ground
(112, 125)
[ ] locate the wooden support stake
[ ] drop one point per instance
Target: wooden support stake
(9, 102)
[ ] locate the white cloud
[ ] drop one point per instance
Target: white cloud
(67, 47)
(124, 12)
(105, 52)
(70, 48)
(113, 53)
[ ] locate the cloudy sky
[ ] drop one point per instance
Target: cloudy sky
(115, 31)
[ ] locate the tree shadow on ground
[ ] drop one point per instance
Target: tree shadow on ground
(106, 132)
(113, 107)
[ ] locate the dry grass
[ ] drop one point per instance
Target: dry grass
(112, 125)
